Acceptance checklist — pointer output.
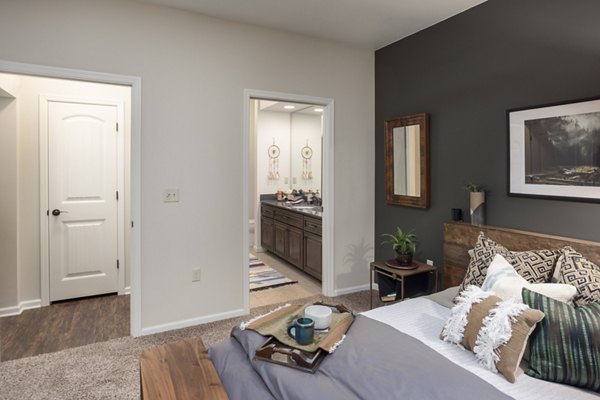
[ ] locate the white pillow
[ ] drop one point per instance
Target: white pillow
(506, 283)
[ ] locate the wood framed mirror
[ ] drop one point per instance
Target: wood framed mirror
(407, 161)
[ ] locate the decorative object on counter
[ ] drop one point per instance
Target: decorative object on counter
(279, 195)
(306, 153)
(404, 243)
(477, 203)
(274, 152)
(554, 152)
(456, 214)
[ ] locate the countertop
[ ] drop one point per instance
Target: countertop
(314, 211)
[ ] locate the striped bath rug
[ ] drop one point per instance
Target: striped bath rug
(263, 277)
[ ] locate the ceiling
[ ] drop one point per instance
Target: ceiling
(368, 24)
(288, 107)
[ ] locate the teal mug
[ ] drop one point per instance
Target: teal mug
(303, 330)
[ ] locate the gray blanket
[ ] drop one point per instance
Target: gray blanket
(374, 362)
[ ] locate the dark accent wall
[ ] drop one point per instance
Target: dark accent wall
(466, 72)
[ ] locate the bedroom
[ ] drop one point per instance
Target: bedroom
(534, 59)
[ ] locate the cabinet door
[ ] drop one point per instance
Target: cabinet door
(280, 239)
(267, 233)
(313, 255)
(295, 246)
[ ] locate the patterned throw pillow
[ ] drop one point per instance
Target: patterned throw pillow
(535, 266)
(495, 330)
(566, 346)
(575, 269)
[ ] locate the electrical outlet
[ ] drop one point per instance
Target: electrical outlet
(171, 195)
(295, 180)
(196, 275)
(430, 262)
(286, 180)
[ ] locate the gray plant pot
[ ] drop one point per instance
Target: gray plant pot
(404, 259)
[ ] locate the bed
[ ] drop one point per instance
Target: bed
(395, 351)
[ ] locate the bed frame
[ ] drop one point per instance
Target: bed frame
(460, 237)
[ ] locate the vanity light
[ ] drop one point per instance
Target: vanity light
(318, 110)
(289, 107)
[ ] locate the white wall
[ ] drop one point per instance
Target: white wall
(272, 125)
(27, 233)
(194, 70)
(9, 200)
(306, 127)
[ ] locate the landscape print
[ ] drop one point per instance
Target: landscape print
(563, 150)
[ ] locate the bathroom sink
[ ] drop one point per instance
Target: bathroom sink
(308, 208)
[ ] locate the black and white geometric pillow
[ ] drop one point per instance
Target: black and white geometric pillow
(576, 270)
(536, 266)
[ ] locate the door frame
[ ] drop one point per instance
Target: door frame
(135, 82)
(328, 282)
(44, 104)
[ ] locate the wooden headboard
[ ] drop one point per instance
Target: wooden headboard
(460, 237)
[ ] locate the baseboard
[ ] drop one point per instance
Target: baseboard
(191, 322)
(127, 290)
(22, 306)
(354, 289)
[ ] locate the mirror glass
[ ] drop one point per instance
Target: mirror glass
(407, 161)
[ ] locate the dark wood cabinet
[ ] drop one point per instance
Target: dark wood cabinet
(295, 246)
(293, 236)
(313, 255)
(280, 239)
(267, 233)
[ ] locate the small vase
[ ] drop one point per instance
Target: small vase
(477, 208)
(404, 259)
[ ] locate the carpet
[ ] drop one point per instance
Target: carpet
(110, 370)
(263, 277)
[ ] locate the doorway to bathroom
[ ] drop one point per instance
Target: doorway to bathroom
(288, 145)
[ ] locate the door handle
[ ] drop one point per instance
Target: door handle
(56, 212)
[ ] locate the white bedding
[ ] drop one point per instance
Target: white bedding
(423, 319)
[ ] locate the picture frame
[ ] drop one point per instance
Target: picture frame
(554, 151)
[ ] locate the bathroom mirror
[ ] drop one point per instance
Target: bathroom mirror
(407, 161)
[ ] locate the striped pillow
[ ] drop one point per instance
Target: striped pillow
(565, 347)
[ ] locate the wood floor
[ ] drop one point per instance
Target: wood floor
(64, 325)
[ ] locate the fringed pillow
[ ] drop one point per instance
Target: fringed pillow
(495, 330)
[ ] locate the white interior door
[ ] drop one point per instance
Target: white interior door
(82, 199)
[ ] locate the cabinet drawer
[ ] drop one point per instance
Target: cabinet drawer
(289, 217)
(267, 211)
(313, 225)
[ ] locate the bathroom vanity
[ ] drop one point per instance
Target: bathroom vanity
(293, 232)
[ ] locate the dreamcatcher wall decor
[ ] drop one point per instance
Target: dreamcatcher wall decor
(306, 153)
(273, 152)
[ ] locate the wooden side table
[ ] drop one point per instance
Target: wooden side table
(179, 371)
(400, 276)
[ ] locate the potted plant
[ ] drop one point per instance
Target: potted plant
(477, 203)
(404, 243)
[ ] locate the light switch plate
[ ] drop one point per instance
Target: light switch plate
(171, 195)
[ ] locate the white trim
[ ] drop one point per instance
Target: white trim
(135, 83)
(353, 289)
(22, 306)
(126, 290)
(185, 323)
(328, 283)
(44, 101)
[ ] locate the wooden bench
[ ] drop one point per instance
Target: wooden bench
(181, 370)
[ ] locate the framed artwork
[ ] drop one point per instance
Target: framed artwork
(554, 151)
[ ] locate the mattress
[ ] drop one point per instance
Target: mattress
(423, 319)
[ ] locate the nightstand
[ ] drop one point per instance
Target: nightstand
(404, 278)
